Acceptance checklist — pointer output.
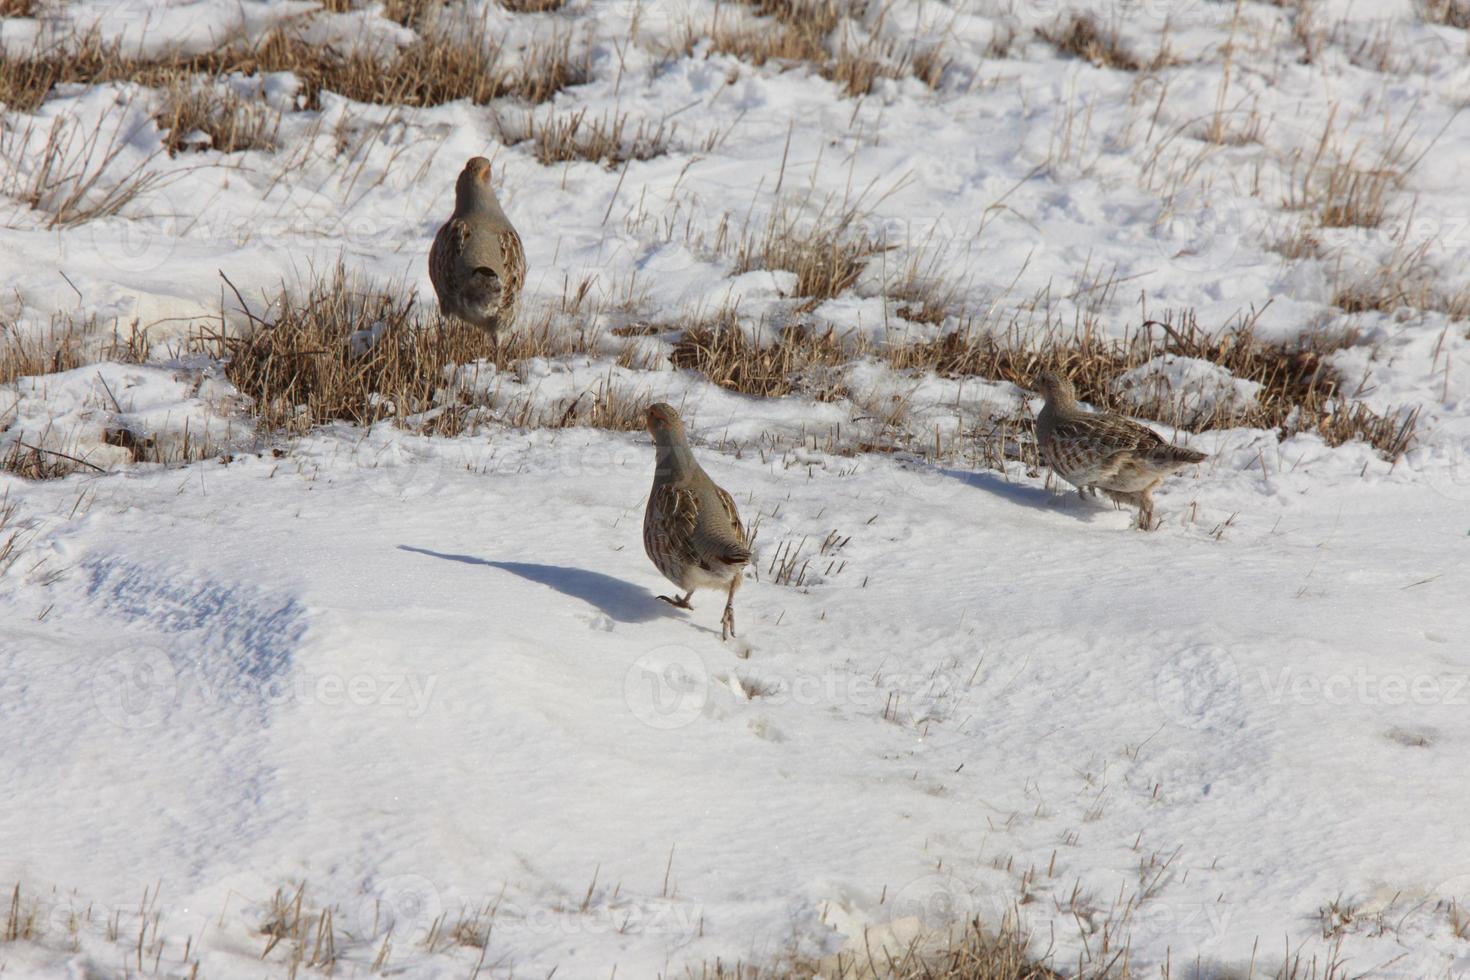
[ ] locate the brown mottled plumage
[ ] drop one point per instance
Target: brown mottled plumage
(1099, 451)
(477, 264)
(691, 529)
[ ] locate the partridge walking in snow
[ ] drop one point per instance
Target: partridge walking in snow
(691, 529)
(477, 264)
(1095, 451)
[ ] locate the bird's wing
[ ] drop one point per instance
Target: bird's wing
(673, 517)
(513, 268)
(720, 537)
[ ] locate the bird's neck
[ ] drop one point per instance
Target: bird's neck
(674, 461)
(478, 205)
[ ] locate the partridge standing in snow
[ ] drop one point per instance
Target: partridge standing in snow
(1101, 451)
(477, 264)
(691, 529)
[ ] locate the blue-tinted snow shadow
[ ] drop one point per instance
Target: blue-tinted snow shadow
(623, 601)
(1037, 497)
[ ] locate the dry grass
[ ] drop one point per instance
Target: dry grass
(1080, 36)
(1450, 13)
(820, 33)
(61, 348)
(720, 350)
(532, 6)
(1405, 280)
(416, 14)
(18, 8)
(605, 139)
(1340, 187)
(971, 954)
(827, 252)
(66, 177)
(229, 122)
(350, 352)
(1300, 391)
(437, 67)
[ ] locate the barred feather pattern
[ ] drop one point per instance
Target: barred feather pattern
(694, 546)
(477, 263)
(1110, 453)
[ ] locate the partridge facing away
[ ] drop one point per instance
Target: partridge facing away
(1100, 451)
(691, 529)
(477, 264)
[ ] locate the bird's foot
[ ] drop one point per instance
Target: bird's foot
(681, 603)
(727, 623)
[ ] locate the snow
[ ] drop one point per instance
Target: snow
(430, 676)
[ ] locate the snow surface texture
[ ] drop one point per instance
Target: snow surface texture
(427, 676)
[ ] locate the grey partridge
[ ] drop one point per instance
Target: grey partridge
(691, 529)
(477, 264)
(1100, 451)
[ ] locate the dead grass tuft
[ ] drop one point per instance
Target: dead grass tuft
(416, 14)
(1299, 389)
(971, 954)
(605, 139)
(437, 67)
(1338, 185)
(61, 348)
(198, 116)
(822, 34)
(18, 8)
(1450, 13)
(1080, 36)
(720, 349)
(827, 253)
(532, 6)
(347, 351)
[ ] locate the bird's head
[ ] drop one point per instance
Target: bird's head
(663, 421)
(1057, 387)
(474, 181)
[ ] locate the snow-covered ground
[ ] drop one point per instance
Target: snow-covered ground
(418, 677)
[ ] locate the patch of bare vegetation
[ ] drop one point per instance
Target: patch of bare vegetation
(825, 35)
(827, 252)
(1352, 187)
(61, 348)
(198, 116)
(64, 177)
(347, 351)
(720, 349)
(532, 6)
(607, 139)
(1405, 280)
(971, 953)
(1450, 13)
(1299, 389)
(18, 8)
(1081, 36)
(439, 66)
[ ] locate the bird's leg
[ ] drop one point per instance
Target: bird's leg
(682, 602)
(1145, 511)
(727, 621)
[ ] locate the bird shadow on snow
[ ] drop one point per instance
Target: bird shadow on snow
(623, 601)
(1039, 498)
